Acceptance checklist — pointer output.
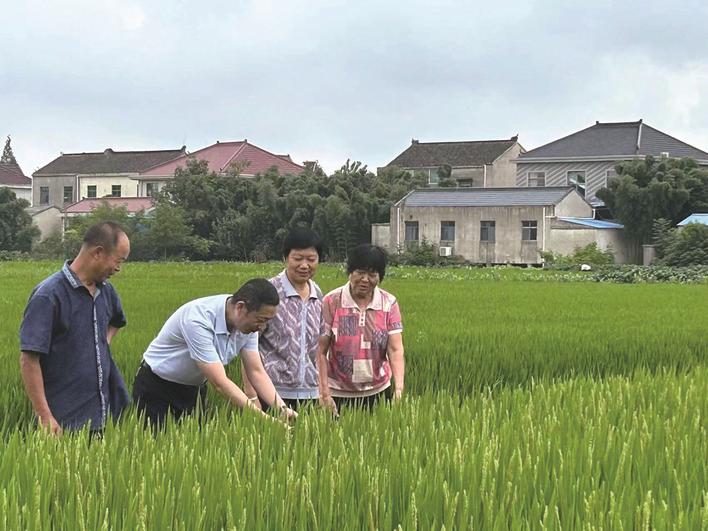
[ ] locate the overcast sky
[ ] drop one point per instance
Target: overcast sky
(332, 80)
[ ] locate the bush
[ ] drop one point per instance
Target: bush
(635, 274)
(687, 246)
(14, 256)
(590, 254)
(423, 254)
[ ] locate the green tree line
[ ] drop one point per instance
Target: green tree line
(201, 215)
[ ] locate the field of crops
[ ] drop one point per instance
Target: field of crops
(531, 402)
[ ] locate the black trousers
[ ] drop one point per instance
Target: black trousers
(300, 403)
(156, 397)
(365, 402)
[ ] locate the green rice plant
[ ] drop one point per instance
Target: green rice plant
(618, 453)
(529, 404)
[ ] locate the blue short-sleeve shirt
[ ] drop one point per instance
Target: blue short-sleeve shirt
(67, 328)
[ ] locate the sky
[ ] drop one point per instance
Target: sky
(335, 80)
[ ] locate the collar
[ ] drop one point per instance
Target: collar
(70, 276)
(289, 289)
(349, 302)
(73, 278)
(220, 325)
(75, 281)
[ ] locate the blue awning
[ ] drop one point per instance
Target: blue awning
(593, 223)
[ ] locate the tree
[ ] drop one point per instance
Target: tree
(688, 247)
(8, 156)
(662, 234)
(169, 235)
(644, 191)
(16, 229)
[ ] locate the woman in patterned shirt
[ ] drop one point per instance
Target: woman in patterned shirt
(361, 348)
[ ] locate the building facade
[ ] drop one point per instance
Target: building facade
(473, 164)
(12, 177)
(75, 176)
(223, 158)
(586, 159)
(499, 225)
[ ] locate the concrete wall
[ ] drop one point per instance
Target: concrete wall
(48, 221)
(104, 183)
(573, 206)
(56, 186)
(475, 175)
(381, 235)
(502, 174)
(22, 193)
(508, 247)
(564, 238)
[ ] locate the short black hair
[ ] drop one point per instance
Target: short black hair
(369, 258)
(255, 293)
(301, 238)
(104, 234)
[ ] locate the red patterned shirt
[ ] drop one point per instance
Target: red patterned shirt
(358, 363)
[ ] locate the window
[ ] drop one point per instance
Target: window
(411, 235)
(486, 231)
(91, 191)
(44, 195)
(68, 194)
(115, 190)
(609, 174)
(447, 231)
(536, 179)
(151, 189)
(576, 178)
(434, 177)
(529, 231)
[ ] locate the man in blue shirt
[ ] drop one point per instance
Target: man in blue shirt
(195, 344)
(66, 363)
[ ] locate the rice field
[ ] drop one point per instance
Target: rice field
(531, 403)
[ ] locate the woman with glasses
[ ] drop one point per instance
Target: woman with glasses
(361, 349)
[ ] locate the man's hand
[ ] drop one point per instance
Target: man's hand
(50, 425)
(287, 414)
(397, 395)
(254, 402)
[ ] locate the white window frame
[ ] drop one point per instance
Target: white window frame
(575, 185)
(532, 229)
(528, 179)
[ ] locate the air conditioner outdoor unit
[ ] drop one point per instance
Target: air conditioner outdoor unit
(445, 251)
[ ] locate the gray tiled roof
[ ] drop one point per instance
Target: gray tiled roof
(108, 162)
(619, 139)
(486, 197)
(456, 154)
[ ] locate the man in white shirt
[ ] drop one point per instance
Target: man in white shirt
(194, 345)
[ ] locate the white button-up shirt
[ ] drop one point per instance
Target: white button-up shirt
(196, 332)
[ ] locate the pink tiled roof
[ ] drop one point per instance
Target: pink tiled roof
(221, 155)
(11, 175)
(131, 204)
